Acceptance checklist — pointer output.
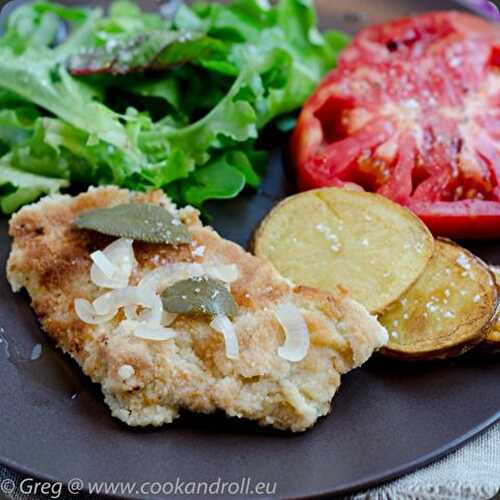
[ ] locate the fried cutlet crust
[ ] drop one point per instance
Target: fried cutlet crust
(51, 259)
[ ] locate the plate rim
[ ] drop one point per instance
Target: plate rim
(375, 480)
(343, 489)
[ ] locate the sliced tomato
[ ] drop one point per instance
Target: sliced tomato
(413, 112)
(461, 219)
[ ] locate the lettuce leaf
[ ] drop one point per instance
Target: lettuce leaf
(177, 100)
(157, 50)
(18, 188)
(220, 178)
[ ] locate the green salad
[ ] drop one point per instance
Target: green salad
(175, 99)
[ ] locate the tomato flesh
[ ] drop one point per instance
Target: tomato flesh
(413, 112)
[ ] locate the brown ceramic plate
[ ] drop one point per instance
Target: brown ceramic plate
(388, 419)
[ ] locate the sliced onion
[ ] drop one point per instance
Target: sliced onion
(113, 266)
(223, 324)
(110, 302)
(153, 315)
(297, 334)
(164, 276)
(157, 333)
(131, 312)
(86, 312)
(225, 272)
(126, 327)
(168, 318)
(103, 264)
(143, 331)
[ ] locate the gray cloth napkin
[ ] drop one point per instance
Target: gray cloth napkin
(472, 472)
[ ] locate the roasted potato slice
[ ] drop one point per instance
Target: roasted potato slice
(327, 237)
(447, 311)
(492, 340)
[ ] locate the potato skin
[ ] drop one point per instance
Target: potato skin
(393, 232)
(491, 343)
(444, 353)
(466, 340)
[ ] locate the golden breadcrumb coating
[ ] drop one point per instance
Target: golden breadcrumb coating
(50, 257)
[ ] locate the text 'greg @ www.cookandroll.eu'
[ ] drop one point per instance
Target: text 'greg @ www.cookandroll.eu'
(176, 487)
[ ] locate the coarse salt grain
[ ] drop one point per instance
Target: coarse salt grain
(463, 262)
(431, 307)
(199, 251)
(330, 236)
(125, 372)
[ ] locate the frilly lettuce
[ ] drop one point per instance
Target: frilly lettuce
(174, 100)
